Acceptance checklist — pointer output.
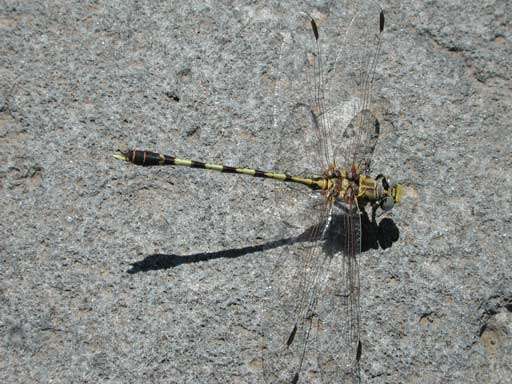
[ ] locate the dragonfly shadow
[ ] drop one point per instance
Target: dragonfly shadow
(373, 236)
(165, 261)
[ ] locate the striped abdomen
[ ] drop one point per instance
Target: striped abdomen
(148, 158)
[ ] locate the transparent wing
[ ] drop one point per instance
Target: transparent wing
(298, 147)
(350, 85)
(338, 310)
(323, 82)
(305, 149)
(311, 324)
(290, 344)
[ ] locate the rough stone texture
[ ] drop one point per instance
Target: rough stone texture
(80, 79)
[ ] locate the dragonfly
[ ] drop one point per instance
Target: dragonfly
(312, 323)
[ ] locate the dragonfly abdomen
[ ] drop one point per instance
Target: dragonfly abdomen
(148, 158)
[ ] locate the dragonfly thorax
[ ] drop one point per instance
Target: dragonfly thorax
(352, 187)
(341, 184)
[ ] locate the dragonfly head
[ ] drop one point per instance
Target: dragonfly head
(392, 193)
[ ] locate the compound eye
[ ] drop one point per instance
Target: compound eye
(387, 203)
(385, 183)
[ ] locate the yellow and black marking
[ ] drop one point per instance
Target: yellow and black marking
(148, 158)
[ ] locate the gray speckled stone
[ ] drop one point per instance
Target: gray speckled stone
(79, 80)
